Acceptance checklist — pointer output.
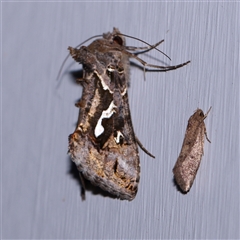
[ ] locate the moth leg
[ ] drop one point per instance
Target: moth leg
(83, 188)
(143, 148)
(145, 49)
(161, 68)
(205, 132)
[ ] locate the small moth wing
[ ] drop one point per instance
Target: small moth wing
(189, 159)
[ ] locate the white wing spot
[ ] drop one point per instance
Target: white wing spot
(99, 129)
(104, 85)
(119, 134)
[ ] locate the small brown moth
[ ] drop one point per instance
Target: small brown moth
(188, 162)
(103, 145)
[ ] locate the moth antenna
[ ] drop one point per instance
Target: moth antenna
(64, 61)
(152, 46)
(207, 112)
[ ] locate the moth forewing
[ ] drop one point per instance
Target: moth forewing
(189, 159)
(103, 145)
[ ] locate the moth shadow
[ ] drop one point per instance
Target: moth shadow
(95, 190)
(177, 187)
(75, 75)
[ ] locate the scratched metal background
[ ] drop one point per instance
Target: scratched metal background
(39, 186)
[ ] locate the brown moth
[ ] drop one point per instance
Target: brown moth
(185, 169)
(103, 145)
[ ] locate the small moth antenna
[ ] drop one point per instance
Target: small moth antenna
(152, 46)
(64, 61)
(207, 112)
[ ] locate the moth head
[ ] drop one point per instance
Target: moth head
(118, 40)
(115, 37)
(198, 115)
